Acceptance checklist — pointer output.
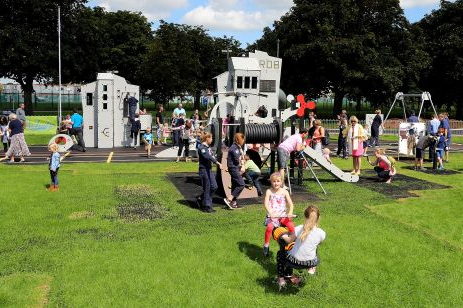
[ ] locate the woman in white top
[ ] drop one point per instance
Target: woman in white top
(303, 254)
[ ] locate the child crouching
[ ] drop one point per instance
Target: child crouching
(303, 255)
(53, 166)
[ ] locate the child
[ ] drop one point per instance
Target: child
(4, 133)
(206, 158)
(275, 202)
(186, 131)
(147, 139)
(304, 252)
(165, 133)
(53, 166)
(134, 130)
(326, 154)
(342, 142)
(383, 165)
(252, 174)
(440, 146)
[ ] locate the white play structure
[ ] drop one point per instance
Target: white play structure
(106, 114)
(251, 84)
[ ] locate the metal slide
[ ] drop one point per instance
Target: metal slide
(318, 159)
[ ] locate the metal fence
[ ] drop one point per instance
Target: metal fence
(391, 126)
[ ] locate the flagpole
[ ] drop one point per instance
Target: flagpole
(59, 64)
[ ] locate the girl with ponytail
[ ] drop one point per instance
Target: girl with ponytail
(303, 255)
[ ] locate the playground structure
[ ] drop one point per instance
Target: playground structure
(409, 133)
(106, 112)
(250, 100)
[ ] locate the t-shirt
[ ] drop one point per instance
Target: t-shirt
(161, 117)
(307, 250)
(16, 127)
(21, 114)
(290, 144)
(178, 111)
(148, 137)
(249, 165)
(77, 120)
(433, 126)
(446, 125)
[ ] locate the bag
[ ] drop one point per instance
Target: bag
(326, 139)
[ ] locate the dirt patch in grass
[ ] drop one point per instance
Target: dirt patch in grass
(44, 291)
(401, 186)
(138, 203)
(81, 215)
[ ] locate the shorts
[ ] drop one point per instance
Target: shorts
(282, 158)
(419, 153)
(440, 153)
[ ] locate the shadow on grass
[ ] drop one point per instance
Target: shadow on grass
(254, 253)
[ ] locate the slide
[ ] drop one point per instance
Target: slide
(318, 159)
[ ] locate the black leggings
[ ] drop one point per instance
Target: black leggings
(185, 143)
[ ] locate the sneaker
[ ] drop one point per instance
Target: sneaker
(236, 206)
(266, 251)
(249, 187)
(259, 193)
(208, 210)
(281, 283)
(228, 203)
(312, 270)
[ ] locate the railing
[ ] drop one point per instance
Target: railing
(391, 126)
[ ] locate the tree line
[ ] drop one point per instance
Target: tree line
(360, 49)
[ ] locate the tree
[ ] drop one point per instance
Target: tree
(443, 31)
(182, 59)
(29, 40)
(356, 48)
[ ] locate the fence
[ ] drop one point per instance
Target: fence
(391, 126)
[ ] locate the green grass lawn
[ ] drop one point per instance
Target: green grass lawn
(120, 235)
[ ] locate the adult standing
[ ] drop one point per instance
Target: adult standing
(235, 160)
(21, 114)
(445, 124)
(413, 118)
(355, 136)
(177, 111)
(159, 123)
(291, 144)
(77, 129)
(377, 122)
(18, 146)
(432, 130)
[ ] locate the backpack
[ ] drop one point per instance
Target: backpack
(326, 139)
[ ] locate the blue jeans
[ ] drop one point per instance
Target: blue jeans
(253, 177)
(54, 177)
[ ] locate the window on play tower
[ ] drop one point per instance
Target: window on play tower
(239, 82)
(254, 83)
(247, 82)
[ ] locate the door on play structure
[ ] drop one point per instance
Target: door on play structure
(105, 113)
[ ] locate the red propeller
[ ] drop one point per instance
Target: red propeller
(304, 105)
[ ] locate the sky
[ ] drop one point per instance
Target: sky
(242, 19)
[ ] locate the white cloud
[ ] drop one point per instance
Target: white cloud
(219, 14)
(153, 10)
(407, 4)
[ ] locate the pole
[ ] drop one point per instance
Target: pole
(278, 48)
(59, 63)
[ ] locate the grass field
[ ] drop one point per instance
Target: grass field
(121, 235)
